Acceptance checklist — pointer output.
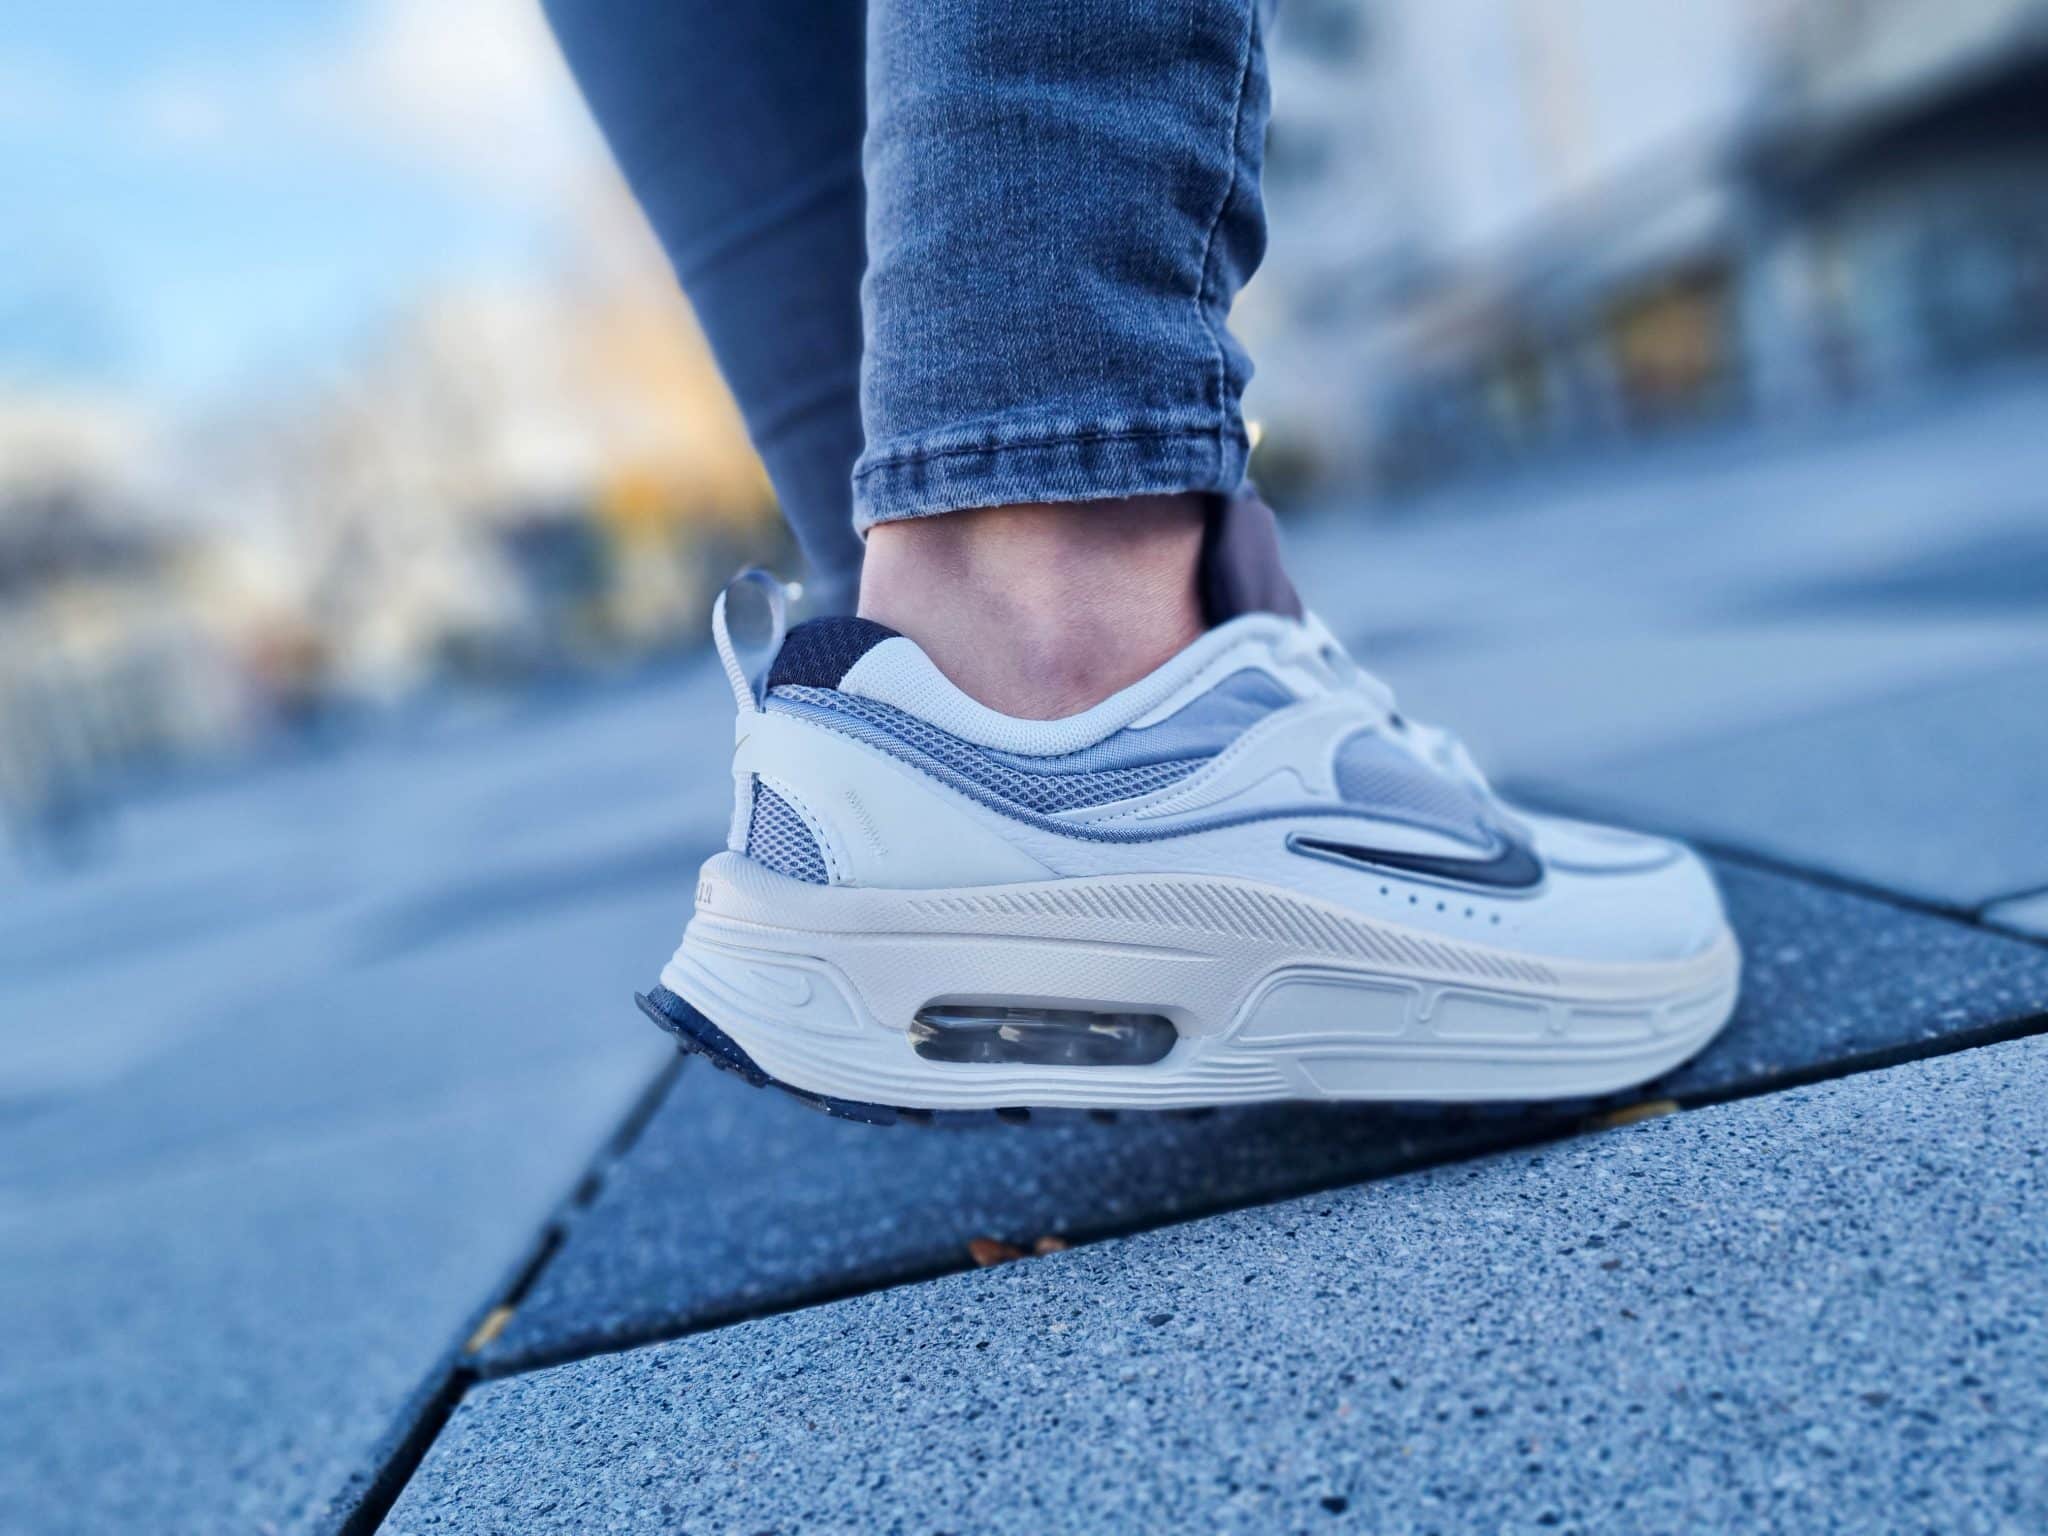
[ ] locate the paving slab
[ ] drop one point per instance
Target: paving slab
(268, 1142)
(1933, 792)
(217, 1350)
(735, 1200)
(1816, 1311)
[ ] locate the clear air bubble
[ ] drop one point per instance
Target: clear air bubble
(1040, 1037)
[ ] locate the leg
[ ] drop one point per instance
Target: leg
(1063, 201)
(1039, 611)
(1245, 875)
(739, 128)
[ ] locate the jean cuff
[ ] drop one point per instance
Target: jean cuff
(1083, 465)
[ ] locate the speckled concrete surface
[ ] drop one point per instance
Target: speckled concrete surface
(736, 1199)
(1818, 1310)
(1933, 792)
(210, 1351)
(254, 1178)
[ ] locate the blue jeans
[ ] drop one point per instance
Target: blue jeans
(950, 253)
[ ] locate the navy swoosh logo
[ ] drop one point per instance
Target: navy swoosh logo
(1514, 868)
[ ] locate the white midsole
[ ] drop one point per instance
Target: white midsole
(1274, 995)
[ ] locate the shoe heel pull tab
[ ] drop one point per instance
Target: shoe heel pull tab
(748, 622)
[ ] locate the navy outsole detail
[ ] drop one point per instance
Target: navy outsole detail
(697, 1034)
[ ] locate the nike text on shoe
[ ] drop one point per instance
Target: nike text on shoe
(1243, 878)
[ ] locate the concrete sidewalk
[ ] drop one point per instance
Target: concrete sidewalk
(1812, 1311)
(311, 1102)
(1793, 1307)
(734, 1202)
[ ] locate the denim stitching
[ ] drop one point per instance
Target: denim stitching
(920, 455)
(1244, 75)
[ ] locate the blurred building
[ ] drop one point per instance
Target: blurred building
(1513, 231)
(504, 481)
(107, 663)
(1350, 233)
(1895, 177)
(511, 480)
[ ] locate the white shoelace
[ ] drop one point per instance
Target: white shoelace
(1431, 744)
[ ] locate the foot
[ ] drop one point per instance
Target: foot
(1042, 611)
(1243, 877)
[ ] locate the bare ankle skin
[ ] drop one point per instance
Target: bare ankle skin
(1042, 611)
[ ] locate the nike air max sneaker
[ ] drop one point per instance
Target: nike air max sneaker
(1245, 877)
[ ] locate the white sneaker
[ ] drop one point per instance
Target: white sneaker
(1244, 878)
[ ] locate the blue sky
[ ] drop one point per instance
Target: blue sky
(204, 193)
(199, 196)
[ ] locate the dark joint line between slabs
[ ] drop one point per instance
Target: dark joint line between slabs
(434, 1402)
(456, 1378)
(1580, 1121)
(392, 1477)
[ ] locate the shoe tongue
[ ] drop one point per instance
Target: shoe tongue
(1241, 570)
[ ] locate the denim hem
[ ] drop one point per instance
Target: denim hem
(1079, 466)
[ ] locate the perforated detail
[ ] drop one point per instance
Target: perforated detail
(778, 839)
(1040, 790)
(1267, 916)
(1375, 775)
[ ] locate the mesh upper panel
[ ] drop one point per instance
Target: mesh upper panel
(1377, 776)
(778, 838)
(1044, 791)
(1374, 776)
(818, 652)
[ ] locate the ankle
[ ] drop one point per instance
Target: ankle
(1043, 610)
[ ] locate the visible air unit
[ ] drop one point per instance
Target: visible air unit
(994, 1034)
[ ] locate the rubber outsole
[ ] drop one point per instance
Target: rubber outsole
(699, 1036)
(696, 1035)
